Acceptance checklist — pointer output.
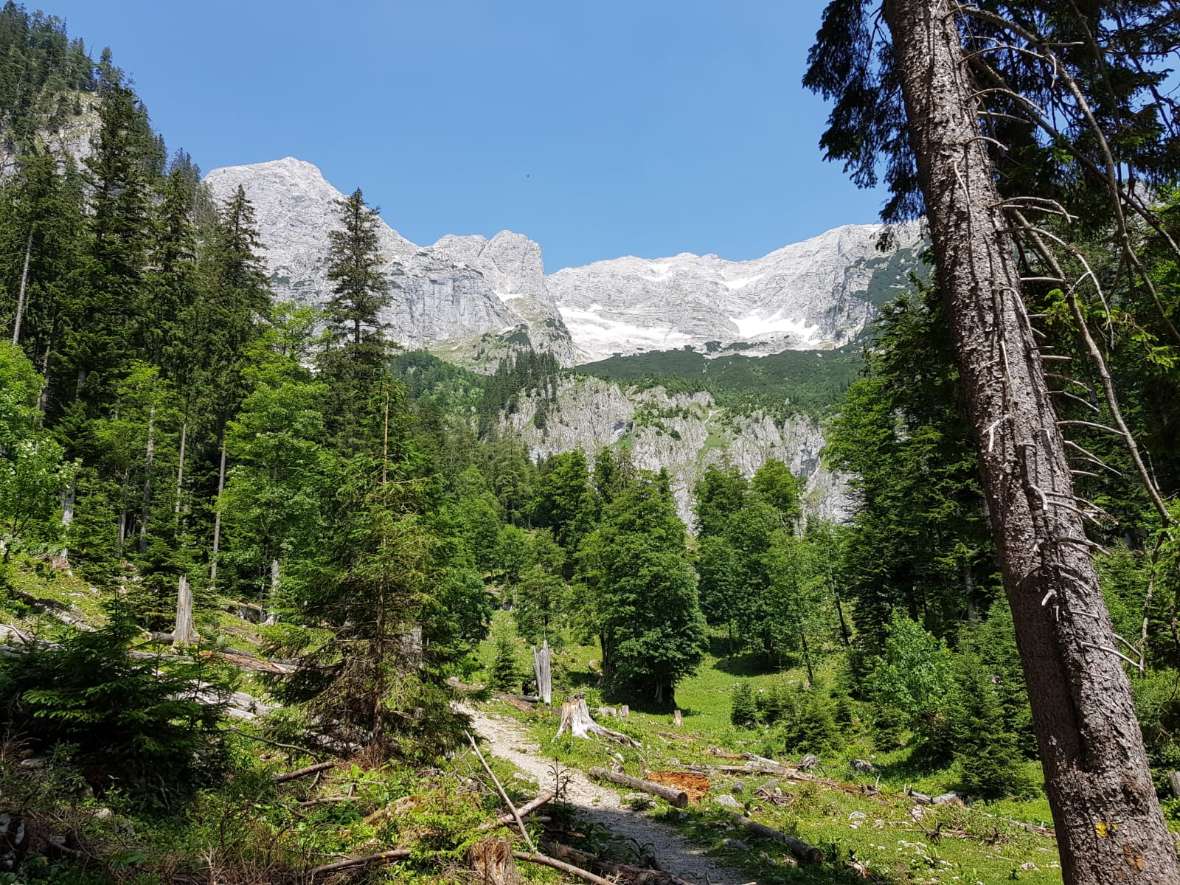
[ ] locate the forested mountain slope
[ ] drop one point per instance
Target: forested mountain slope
(289, 505)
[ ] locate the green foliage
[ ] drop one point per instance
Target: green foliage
(32, 474)
(642, 590)
(130, 723)
(992, 764)
(42, 70)
(742, 712)
(794, 381)
(919, 541)
(505, 670)
(915, 678)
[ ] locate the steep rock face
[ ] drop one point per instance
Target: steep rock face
(462, 294)
(70, 137)
(680, 433)
(811, 295)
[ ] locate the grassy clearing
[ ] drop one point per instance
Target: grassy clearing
(880, 830)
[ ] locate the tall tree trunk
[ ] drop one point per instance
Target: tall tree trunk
(1106, 814)
(20, 298)
(43, 397)
(180, 472)
(217, 517)
(149, 457)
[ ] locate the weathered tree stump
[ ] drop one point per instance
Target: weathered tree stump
(678, 719)
(184, 634)
(492, 862)
(576, 719)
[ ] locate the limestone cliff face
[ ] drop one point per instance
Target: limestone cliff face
(680, 433)
(471, 298)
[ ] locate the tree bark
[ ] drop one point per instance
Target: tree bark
(674, 797)
(1106, 814)
(492, 862)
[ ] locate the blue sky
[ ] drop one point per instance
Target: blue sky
(600, 129)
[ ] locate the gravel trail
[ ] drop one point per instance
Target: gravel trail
(508, 740)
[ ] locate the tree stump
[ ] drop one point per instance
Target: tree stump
(492, 862)
(184, 633)
(678, 719)
(576, 719)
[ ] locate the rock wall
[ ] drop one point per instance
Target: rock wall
(681, 433)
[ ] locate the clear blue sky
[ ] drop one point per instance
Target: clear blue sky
(599, 129)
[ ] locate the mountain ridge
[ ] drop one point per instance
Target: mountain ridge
(476, 298)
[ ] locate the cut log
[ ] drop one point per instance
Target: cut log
(542, 669)
(576, 719)
(675, 797)
(492, 862)
(800, 850)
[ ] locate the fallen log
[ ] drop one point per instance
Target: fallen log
(620, 872)
(800, 850)
(303, 772)
(390, 856)
(525, 810)
(555, 864)
(674, 797)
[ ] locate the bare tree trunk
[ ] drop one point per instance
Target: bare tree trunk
(1106, 814)
(184, 634)
(217, 517)
(180, 471)
(275, 577)
(20, 298)
(68, 496)
(542, 669)
(149, 458)
(43, 397)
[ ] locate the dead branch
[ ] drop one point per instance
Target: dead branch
(503, 795)
(303, 772)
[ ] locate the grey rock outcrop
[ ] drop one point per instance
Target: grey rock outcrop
(461, 295)
(681, 433)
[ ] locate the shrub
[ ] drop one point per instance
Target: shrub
(125, 721)
(742, 711)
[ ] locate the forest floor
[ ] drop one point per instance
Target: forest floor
(600, 806)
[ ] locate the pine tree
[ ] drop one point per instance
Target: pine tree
(505, 672)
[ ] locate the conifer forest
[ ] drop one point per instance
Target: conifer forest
(329, 558)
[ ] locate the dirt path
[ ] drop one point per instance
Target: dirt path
(508, 740)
